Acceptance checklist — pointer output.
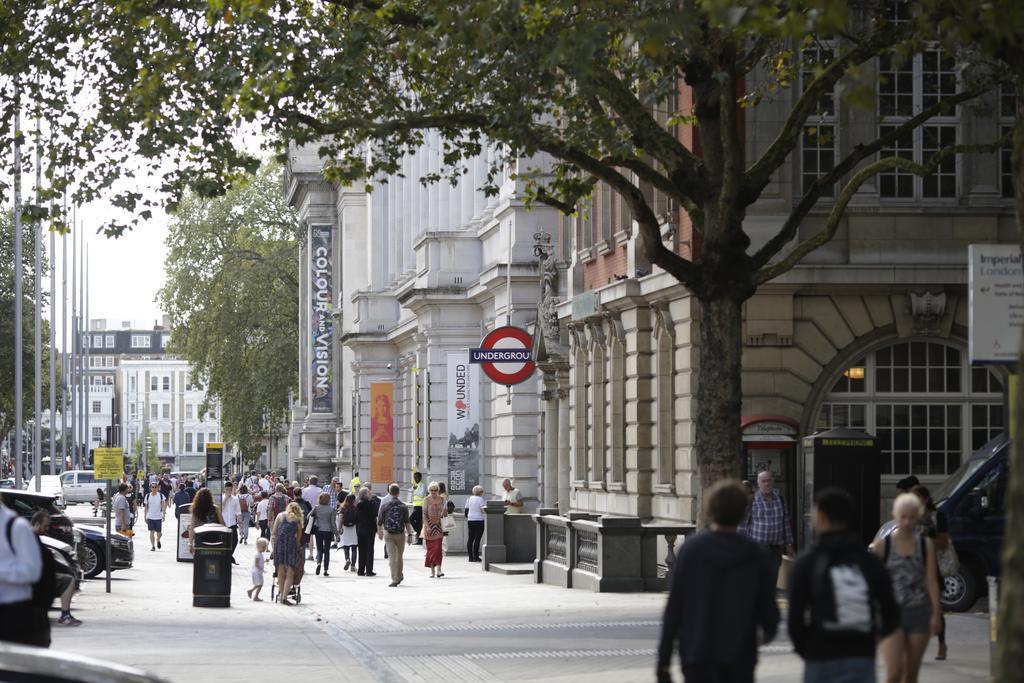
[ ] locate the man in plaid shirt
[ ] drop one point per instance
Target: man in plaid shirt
(768, 523)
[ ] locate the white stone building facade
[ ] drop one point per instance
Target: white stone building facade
(417, 273)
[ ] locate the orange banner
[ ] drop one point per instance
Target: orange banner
(382, 433)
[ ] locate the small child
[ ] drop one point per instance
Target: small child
(258, 563)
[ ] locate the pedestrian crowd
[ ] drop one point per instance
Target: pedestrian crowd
(846, 602)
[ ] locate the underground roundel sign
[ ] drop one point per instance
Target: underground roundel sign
(506, 355)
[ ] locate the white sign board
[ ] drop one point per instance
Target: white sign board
(996, 302)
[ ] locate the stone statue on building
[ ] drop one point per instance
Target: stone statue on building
(547, 313)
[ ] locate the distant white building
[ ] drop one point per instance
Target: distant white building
(160, 396)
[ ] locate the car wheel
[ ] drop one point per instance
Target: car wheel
(959, 590)
(92, 563)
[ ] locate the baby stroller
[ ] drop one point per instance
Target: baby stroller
(295, 593)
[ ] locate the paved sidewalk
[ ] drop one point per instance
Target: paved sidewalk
(466, 626)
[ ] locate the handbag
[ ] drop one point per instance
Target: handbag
(448, 523)
(949, 561)
(310, 523)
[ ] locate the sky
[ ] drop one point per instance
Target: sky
(125, 273)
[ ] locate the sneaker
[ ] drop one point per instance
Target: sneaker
(68, 620)
(318, 570)
(158, 544)
(347, 565)
(152, 547)
(326, 575)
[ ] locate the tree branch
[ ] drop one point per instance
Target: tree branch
(759, 175)
(859, 153)
(828, 230)
(650, 136)
(682, 269)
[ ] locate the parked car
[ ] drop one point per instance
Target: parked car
(25, 503)
(64, 557)
(94, 558)
(39, 665)
(6, 483)
(79, 486)
(973, 499)
(50, 484)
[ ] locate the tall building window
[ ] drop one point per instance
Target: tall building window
(165, 442)
(167, 411)
(132, 384)
(164, 338)
(213, 437)
(188, 442)
(212, 413)
(199, 442)
(188, 411)
(819, 142)
(111, 342)
(140, 341)
(133, 410)
(154, 382)
(96, 406)
(154, 411)
(906, 87)
(97, 433)
(167, 383)
(97, 341)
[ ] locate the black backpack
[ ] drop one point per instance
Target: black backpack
(44, 591)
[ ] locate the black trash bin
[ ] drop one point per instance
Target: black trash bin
(211, 571)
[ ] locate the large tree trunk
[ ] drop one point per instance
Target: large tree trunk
(719, 395)
(1010, 618)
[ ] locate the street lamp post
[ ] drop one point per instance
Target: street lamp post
(18, 377)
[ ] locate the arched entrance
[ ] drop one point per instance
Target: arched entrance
(928, 407)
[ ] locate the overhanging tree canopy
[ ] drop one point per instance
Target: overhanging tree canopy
(585, 82)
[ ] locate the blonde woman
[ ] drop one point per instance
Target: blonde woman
(287, 552)
(434, 510)
(909, 558)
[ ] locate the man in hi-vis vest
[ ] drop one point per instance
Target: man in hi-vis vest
(419, 492)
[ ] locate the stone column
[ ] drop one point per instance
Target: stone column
(493, 547)
(550, 456)
(564, 464)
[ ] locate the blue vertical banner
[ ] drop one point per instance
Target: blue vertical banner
(321, 322)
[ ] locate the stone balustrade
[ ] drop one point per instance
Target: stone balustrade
(602, 554)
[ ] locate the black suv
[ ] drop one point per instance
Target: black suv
(25, 503)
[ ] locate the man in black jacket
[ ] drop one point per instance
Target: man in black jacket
(840, 598)
(722, 602)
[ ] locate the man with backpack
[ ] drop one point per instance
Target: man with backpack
(721, 604)
(393, 526)
(21, 567)
(840, 598)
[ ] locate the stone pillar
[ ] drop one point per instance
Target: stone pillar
(549, 499)
(467, 188)
(564, 464)
(493, 548)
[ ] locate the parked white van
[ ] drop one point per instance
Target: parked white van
(79, 486)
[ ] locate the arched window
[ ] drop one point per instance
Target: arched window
(927, 407)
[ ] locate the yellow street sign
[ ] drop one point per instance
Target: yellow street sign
(108, 463)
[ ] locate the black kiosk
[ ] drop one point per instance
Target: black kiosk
(848, 459)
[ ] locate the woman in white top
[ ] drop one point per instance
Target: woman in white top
(475, 522)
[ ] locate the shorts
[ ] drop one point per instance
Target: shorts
(155, 525)
(63, 581)
(916, 618)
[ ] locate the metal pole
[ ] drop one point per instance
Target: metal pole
(107, 549)
(87, 390)
(53, 336)
(83, 341)
(65, 356)
(18, 377)
(37, 297)
(75, 341)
